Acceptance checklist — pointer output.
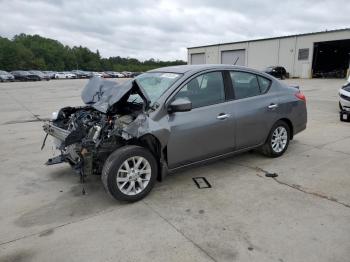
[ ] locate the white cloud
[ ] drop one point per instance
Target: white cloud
(163, 29)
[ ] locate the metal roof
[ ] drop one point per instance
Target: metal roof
(272, 38)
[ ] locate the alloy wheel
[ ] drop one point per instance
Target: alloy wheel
(134, 175)
(279, 139)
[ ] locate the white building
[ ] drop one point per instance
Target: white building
(305, 55)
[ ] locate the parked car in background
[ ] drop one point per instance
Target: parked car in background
(135, 132)
(277, 71)
(70, 75)
(60, 75)
(344, 101)
(119, 75)
(51, 74)
(127, 74)
(65, 75)
(111, 74)
(97, 74)
(6, 76)
(40, 74)
(105, 75)
(25, 76)
(81, 74)
(135, 74)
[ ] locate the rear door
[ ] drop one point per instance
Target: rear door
(205, 131)
(254, 108)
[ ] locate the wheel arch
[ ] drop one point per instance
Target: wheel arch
(153, 144)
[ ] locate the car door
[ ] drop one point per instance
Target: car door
(205, 131)
(254, 108)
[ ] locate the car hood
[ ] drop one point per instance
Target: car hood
(104, 94)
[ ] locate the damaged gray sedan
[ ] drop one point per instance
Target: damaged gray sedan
(136, 132)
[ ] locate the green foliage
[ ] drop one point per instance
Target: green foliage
(25, 52)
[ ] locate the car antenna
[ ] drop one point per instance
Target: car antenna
(236, 61)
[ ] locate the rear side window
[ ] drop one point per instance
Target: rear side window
(264, 84)
(244, 84)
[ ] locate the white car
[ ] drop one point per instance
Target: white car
(65, 75)
(344, 101)
(117, 74)
(70, 75)
(60, 75)
(96, 74)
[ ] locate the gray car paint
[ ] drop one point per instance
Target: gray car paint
(197, 135)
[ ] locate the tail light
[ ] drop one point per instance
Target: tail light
(300, 96)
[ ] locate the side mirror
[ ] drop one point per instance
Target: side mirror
(180, 105)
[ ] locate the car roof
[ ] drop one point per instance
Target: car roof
(196, 68)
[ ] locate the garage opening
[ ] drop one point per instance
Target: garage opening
(331, 59)
(197, 59)
(233, 57)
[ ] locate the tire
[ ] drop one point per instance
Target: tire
(114, 168)
(267, 149)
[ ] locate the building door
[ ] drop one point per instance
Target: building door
(231, 57)
(197, 59)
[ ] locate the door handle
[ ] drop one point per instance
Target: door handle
(223, 116)
(272, 106)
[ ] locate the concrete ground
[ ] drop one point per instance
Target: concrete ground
(302, 215)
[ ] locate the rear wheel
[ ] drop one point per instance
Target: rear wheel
(278, 140)
(129, 173)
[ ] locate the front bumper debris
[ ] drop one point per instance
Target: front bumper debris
(56, 160)
(59, 133)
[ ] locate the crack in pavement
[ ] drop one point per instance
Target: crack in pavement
(106, 211)
(298, 187)
(179, 231)
(24, 107)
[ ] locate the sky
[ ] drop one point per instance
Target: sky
(164, 29)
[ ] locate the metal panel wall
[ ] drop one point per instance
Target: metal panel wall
(262, 53)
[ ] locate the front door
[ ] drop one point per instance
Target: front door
(205, 131)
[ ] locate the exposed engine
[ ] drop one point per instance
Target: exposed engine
(86, 136)
(114, 115)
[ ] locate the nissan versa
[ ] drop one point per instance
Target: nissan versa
(138, 131)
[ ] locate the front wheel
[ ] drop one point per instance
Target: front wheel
(278, 140)
(129, 173)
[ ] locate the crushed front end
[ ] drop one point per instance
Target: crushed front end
(87, 135)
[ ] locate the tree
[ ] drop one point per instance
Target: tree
(35, 52)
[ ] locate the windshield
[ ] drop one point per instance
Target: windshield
(3, 73)
(155, 84)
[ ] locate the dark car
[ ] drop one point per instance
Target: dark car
(81, 74)
(277, 71)
(43, 76)
(138, 131)
(25, 76)
(6, 76)
(135, 74)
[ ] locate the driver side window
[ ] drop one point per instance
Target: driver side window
(204, 90)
